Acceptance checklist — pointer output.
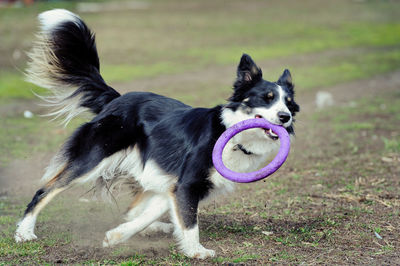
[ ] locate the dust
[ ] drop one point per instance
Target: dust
(21, 176)
(84, 217)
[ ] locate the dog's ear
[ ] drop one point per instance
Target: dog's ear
(248, 74)
(286, 79)
(248, 71)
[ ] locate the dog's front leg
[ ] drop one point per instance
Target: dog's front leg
(184, 204)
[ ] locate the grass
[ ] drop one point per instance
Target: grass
(13, 86)
(354, 126)
(392, 145)
(325, 71)
(135, 260)
(118, 73)
(144, 52)
(241, 259)
(36, 251)
(343, 69)
(283, 256)
(361, 117)
(22, 137)
(304, 39)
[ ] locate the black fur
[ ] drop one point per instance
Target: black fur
(248, 75)
(74, 47)
(35, 200)
(285, 81)
(164, 129)
(178, 137)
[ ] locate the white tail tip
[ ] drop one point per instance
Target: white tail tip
(50, 19)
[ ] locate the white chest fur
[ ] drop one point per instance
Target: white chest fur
(236, 160)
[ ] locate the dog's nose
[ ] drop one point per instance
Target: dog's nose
(284, 117)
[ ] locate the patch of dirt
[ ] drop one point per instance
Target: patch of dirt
(87, 219)
(17, 107)
(344, 93)
(21, 175)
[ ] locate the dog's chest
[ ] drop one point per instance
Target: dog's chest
(238, 161)
(242, 161)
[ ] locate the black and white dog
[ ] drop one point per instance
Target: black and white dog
(161, 144)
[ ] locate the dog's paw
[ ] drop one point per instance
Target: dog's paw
(200, 252)
(156, 227)
(25, 230)
(24, 236)
(112, 238)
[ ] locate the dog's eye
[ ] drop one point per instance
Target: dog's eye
(289, 99)
(270, 95)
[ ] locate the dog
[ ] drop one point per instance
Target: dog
(162, 145)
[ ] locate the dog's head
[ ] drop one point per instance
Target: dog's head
(255, 97)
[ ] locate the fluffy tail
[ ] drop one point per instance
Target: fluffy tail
(64, 60)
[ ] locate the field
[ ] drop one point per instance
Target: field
(335, 201)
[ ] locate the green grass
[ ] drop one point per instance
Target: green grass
(392, 144)
(385, 105)
(347, 68)
(284, 256)
(16, 253)
(311, 234)
(354, 126)
(361, 116)
(341, 69)
(135, 260)
(325, 71)
(22, 137)
(241, 259)
(6, 219)
(13, 86)
(304, 39)
(148, 50)
(125, 72)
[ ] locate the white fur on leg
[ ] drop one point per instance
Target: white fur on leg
(158, 227)
(188, 239)
(190, 245)
(25, 229)
(155, 207)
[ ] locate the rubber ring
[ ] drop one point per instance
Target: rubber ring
(274, 165)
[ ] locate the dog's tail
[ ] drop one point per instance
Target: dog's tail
(64, 60)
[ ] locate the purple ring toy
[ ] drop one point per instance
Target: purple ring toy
(256, 175)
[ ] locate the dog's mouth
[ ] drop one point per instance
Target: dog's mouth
(268, 132)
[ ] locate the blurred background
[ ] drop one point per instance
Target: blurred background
(344, 56)
(321, 42)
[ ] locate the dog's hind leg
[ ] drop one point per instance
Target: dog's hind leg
(57, 184)
(146, 208)
(156, 227)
